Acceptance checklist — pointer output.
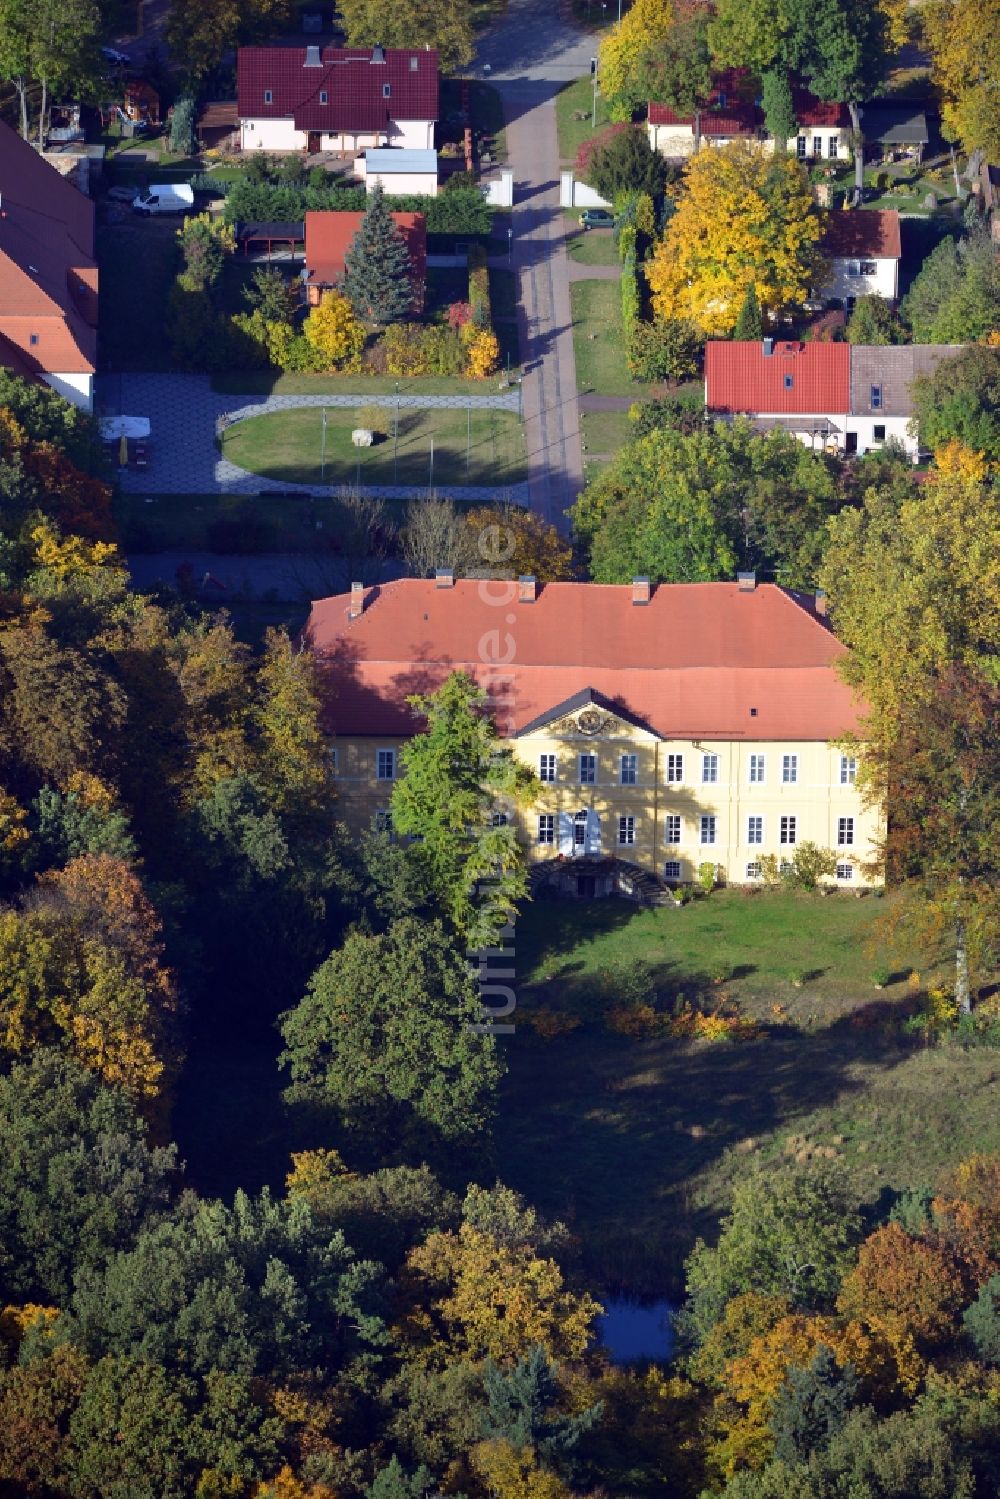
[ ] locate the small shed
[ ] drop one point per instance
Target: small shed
(400, 171)
(142, 102)
(898, 127)
(271, 237)
(217, 122)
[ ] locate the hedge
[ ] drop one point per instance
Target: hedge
(463, 211)
(479, 287)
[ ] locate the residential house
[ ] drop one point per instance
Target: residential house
(342, 99)
(48, 274)
(329, 236)
(669, 727)
(823, 130)
(837, 397)
(862, 250)
(730, 114)
(400, 173)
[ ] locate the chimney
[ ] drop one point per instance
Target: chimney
(357, 604)
(747, 582)
(526, 589)
(313, 59)
(444, 578)
(378, 53)
(768, 347)
(640, 590)
(820, 602)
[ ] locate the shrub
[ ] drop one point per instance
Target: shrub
(375, 418)
(443, 351)
(636, 1021)
(405, 353)
(479, 288)
(482, 354)
(458, 314)
(549, 1024)
(182, 126)
(669, 349)
(708, 877)
(334, 331)
(810, 864)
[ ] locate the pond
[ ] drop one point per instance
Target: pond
(632, 1330)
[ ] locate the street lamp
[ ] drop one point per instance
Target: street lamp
(510, 245)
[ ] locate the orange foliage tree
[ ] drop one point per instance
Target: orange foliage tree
(906, 1285)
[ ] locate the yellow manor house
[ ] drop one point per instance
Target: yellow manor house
(669, 726)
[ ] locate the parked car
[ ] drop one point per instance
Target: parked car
(597, 218)
(115, 58)
(164, 197)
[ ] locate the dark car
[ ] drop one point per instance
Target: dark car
(597, 218)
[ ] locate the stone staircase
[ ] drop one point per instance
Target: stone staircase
(610, 877)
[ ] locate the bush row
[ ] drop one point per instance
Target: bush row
(460, 211)
(479, 287)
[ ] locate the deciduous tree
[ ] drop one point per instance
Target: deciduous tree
(964, 43)
(334, 331)
(444, 25)
(955, 297)
(743, 217)
(619, 69)
(960, 402)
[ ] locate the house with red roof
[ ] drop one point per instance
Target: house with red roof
(669, 727)
(341, 99)
(834, 397)
(734, 112)
(329, 236)
(862, 248)
(48, 274)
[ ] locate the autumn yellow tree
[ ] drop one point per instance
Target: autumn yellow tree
(334, 330)
(513, 1473)
(511, 542)
(621, 51)
(744, 217)
(963, 37)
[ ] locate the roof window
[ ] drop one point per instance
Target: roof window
(33, 339)
(387, 91)
(789, 381)
(324, 97)
(414, 64)
(268, 96)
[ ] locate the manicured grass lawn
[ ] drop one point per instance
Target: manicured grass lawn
(592, 246)
(598, 342)
(270, 382)
(577, 98)
(605, 431)
(137, 262)
(636, 1143)
(435, 446)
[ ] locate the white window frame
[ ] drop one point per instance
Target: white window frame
(845, 832)
(709, 770)
(848, 770)
(548, 769)
(546, 830)
(675, 769)
(628, 776)
(673, 817)
(387, 91)
(753, 870)
(833, 147)
(845, 871)
(789, 770)
(500, 819)
(788, 830)
(324, 97)
(268, 96)
(757, 770)
(672, 869)
(817, 149)
(868, 267)
(580, 829)
(590, 780)
(755, 829)
(800, 147)
(708, 828)
(626, 831)
(391, 753)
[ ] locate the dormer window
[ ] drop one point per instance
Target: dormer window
(324, 97)
(387, 91)
(876, 400)
(268, 96)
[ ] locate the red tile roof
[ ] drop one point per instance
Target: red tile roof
(48, 277)
(354, 86)
(868, 231)
(690, 663)
(738, 116)
(330, 234)
(741, 377)
(815, 113)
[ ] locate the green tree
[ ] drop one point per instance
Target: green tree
(677, 69)
(960, 401)
(523, 1408)
(272, 295)
(78, 1177)
(182, 120)
(394, 1482)
(964, 44)
(48, 47)
(388, 1032)
(873, 321)
(779, 110)
(750, 323)
(379, 273)
(812, 1406)
(66, 825)
(198, 34)
(791, 1234)
(457, 776)
(625, 163)
(446, 26)
(981, 1321)
(955, 297)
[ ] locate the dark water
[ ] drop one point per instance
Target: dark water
(633, 1330)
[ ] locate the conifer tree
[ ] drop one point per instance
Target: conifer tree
(750, 323)
(379, 279)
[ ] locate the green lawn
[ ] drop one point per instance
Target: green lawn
(270, 382)
(637, 1143)
(597, 340)
(577, 99)
(592, 246)
(605, 431)
(434, 446)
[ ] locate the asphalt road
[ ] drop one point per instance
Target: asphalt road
(529, 54)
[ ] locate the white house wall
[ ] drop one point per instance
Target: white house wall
(79, 389)
(281, 135)
(412, 135)
(403, 184)
(271, 135)
(843, 283)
